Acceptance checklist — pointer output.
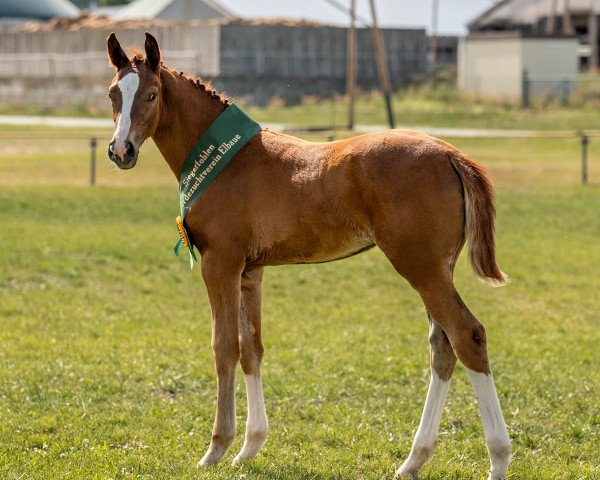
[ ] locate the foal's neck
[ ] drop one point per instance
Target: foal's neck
(187, 109)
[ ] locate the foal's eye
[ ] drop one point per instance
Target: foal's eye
(152, 97)
(110, 96)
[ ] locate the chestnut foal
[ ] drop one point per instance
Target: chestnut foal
(282, 200)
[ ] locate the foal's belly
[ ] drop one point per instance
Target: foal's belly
(318, 247)
(345, 251)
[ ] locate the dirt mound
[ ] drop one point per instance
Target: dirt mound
(89, 21)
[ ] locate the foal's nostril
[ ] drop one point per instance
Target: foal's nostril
(111, 153)
(130, 152)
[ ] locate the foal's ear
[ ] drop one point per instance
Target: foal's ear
(152, 52)
(116, 54)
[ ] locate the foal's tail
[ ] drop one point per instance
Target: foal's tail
(480, 213)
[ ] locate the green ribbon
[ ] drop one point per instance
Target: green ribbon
(215, 149)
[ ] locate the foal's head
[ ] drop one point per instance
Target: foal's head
(135, 96)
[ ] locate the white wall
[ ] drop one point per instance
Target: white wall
(493, 67)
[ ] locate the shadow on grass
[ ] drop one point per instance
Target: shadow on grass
(296, 472)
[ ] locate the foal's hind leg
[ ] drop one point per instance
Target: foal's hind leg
(442, 360)
(468, 339)
(252, 350)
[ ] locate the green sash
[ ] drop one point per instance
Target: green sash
(219, 144)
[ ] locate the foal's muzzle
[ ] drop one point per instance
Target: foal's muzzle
(129, 158)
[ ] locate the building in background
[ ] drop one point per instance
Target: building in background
(15, 12)
(548, 18)
(514, 65)
(255, 49)
(446, 51)
(65, 61)
(452, 15)
(522, 49)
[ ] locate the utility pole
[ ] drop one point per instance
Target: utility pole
(593, 37)
(351, 68)
(382, 69)
(433, 37)
(567, 27)
(93, 145)
(551, 23)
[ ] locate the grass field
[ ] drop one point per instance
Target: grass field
(434, 103)
(105, 362)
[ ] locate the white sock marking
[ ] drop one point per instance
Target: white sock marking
(128, 86)
(494, 428)
(257, 424)
(424, 441)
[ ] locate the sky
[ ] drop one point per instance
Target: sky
(453, 14)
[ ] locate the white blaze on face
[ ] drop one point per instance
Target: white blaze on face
(128, 86)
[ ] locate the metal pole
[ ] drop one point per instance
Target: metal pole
(565, 92)
(351, 68)
(585, 141)
(551, 23)
(384, 76)
(525, 90)
(93, 144)
(433, 38)
(567, 24)
(593, 37)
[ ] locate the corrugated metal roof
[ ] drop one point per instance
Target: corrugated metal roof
(526, 12)
(40, 9)
(453, 14)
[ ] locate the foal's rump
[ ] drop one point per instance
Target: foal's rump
(423, 198)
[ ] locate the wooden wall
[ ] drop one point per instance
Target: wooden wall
(253, 61)
(82, 53)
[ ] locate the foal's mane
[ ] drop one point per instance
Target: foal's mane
(203, 86)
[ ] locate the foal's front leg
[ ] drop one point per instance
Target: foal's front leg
(222, 278)
(251, 348)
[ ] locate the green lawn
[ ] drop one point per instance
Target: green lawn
(105, 362)
(58, 156)
(421, 105)
(410, 110)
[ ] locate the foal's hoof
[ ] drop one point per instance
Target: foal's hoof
(252, 444)
(206, 462)
(405, 474)
(211, 457)
(218, 447)
(243, 456)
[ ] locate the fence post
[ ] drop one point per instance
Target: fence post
(93, 144)
(584, 158)
(525, 90)
(565, 92)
